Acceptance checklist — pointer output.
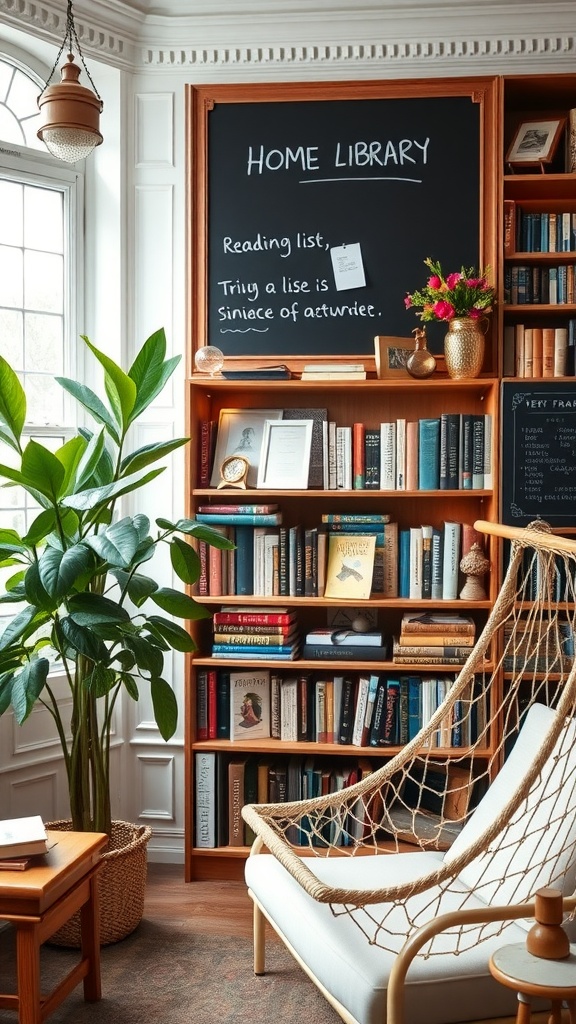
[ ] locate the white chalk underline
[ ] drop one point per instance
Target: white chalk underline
(319, 181)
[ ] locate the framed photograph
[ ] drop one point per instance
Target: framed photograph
(285, 456)
(240, 432)
(535, 142)
(391, 355)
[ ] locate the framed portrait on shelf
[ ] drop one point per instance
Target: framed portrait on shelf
(240, 432)
(535, 142)
(285, 457)
(391, 355)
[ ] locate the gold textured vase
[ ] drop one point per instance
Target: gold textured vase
(464, 347)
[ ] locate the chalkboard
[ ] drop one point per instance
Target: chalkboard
(281, 179)
(538, 452)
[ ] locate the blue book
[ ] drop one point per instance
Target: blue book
(404, 556)
(414, 706)
(223, 705)
(429, 454)
(252, 649)
(261, 654)
(239, 519)
(244, 560)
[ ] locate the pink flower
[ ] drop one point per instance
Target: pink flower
(476, 282)
(434, 283)
(408, 301)
(475, 314)
(443, 310)
(452, 280)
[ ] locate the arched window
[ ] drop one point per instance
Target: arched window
(19, 114)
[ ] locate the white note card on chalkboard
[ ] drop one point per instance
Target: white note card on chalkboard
(348, 267)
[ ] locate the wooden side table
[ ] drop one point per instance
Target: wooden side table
(534, 977)
(37, 902)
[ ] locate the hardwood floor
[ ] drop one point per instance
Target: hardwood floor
(220, 907)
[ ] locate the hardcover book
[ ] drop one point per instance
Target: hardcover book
(249, 704)
(205, 802)
(236, 781)
(318, 417)
(435, 622)
(350, 566)
(429, 454)
(22, 837)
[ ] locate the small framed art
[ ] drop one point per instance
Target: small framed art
(240, 432)
(391, 355)
(535, 142)
(285, 457)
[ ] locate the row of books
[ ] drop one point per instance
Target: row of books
(537, 286)
(540, 351)
(542, 231)
(558, 586)
(360, 709)
(223, 784)
(446, 452)
(547, 648)
(348, 560)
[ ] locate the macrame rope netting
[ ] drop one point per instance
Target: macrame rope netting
(524, 655)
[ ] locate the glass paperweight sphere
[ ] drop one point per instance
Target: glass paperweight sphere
(209, 360)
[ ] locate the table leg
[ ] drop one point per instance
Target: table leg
(571, 1004)
(524, 1010)
(556, 1014)
(28, 972)
(90, 936)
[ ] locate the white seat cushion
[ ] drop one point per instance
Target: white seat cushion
(441, 989)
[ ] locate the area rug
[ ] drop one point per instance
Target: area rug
(170, 974)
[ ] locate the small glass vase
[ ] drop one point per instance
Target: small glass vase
(420, 363)
(464, 347)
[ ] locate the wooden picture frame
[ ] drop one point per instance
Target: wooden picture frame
(240, 432)
(285, 455)
(535, 142)
(390, 354)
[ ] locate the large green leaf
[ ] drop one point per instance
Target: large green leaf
(17, 626)
(150, 371)
(185, 560)
(59, 570)
(83, 640)
(27, 687)
(178, 604)
(92, 609)
(43, 470)
(41, 526)
(148, 658)
(172, 633)
(85, 501)
(165, 707)
(141, 523)
(104, 470)
(35, 591)
(6, 680)
(143, 457)
(12, 405)
(117, 544)
(13, 594)
(101, 680)
(90, 459)
(120, 388)
(198, 530)
(130, 684)
(70, 455)
(138, 587)
(16, 477)
(90, 401)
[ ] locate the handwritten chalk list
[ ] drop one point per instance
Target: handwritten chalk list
(287, 182)
(539, 452)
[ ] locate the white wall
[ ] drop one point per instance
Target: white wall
(136, 226)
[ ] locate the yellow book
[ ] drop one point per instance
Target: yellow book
(350, 566)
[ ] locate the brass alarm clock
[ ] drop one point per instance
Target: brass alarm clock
(234, 471)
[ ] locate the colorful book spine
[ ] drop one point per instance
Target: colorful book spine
(429, 454)
(217, 519)
(254, 618)
(205, 799)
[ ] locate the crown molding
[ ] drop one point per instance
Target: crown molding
(338, 37)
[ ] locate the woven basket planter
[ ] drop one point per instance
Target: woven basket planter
(122, 883)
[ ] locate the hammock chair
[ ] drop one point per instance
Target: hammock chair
(347, 879)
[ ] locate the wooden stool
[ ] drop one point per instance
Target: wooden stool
(532, 976)
(37, 902)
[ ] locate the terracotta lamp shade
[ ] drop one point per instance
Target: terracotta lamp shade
(70, 116)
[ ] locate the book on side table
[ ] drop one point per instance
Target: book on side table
(20, 839)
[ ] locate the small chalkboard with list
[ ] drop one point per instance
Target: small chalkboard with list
(312, 208)
(538, 452)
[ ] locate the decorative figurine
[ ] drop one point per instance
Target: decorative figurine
(474, 565)
(209, 359)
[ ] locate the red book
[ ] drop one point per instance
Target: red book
(214, 571)
(206, 450)
(253, 618)
(358, 457)
(203, 578)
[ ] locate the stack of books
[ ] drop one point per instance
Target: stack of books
(344, 645)
(334, 371)
(433, 639)
(21, 839)
(256, 632)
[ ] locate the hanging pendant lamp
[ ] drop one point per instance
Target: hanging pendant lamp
(70, 126)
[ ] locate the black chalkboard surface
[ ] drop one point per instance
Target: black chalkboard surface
(538, 452)
(283, 182)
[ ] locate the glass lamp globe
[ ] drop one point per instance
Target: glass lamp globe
(209, 359)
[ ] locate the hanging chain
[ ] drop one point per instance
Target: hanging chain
(70, 35)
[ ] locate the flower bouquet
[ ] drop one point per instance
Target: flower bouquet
(448, 296)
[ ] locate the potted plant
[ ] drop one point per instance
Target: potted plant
(85, 600)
